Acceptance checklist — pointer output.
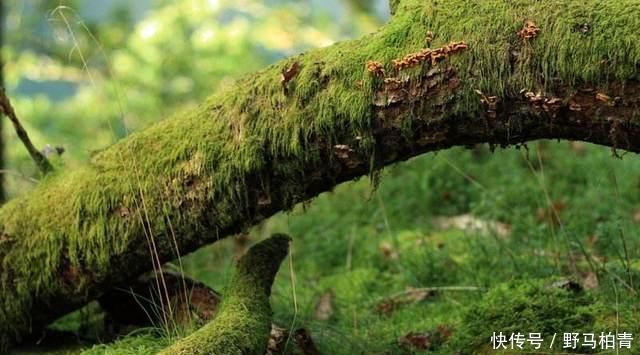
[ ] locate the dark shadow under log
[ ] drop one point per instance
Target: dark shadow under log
(164, 300)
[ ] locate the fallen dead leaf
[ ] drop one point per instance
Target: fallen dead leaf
(445, 331)
(471, 223)
(410, 296)
(388, 251)
(415, 295)
(552, 214)
(277, 340)
(417, 341)
(324, 307)
(202, 302)
(427, 340)
(590, 281)
(386, 307)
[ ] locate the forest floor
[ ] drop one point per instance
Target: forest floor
(447, 250)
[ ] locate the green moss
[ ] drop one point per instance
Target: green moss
(352, 288)
(192, 169)
(134, 344)
(537, 307)
(244, 322)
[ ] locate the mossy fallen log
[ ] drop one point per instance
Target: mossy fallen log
(496, 71)
(243, 324)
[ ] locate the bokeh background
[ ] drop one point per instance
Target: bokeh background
(85, 73)
(480, 233)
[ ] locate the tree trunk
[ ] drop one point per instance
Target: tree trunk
(520, 71)
(2, 40)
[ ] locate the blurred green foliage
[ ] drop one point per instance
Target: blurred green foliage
(83, 74)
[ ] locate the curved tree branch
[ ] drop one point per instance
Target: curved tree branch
(243, 324)
(498, 72)
(7, 110)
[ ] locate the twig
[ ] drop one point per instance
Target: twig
(6, 108)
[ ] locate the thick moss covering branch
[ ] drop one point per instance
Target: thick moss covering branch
(301, 126)
(244, 322)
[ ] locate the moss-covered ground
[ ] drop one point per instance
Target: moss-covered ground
(366, 247)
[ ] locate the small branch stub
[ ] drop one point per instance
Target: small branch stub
(7, 109)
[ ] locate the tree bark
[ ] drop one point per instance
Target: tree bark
(2, 164)
(499, 72)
